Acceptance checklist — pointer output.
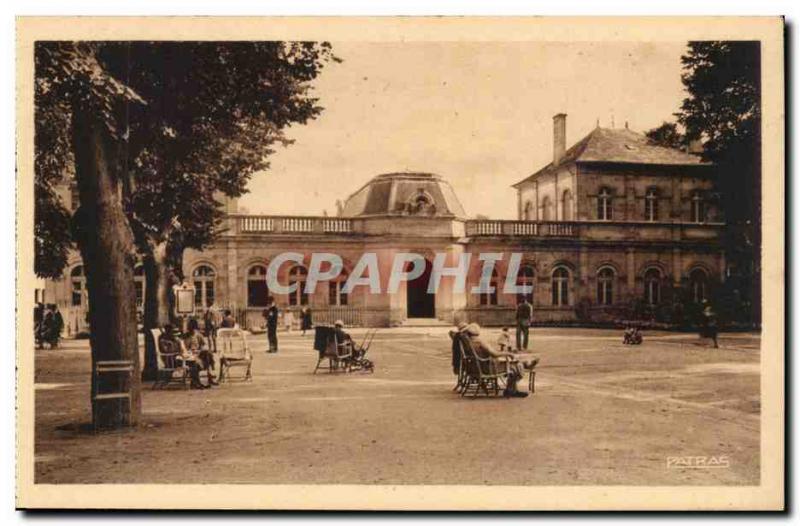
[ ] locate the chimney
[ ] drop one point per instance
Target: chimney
(559, 137)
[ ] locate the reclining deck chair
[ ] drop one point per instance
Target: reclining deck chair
(233, 352)
(327, 344)
(481, 374)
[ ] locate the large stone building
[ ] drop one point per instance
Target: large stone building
(611, 222)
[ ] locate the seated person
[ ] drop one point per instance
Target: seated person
(195, 343)
(455, 348)
(516, 368)
(342, 338)
(228, 321)
(168, 336)
(504, 341)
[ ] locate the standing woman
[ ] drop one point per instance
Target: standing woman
(305, 319)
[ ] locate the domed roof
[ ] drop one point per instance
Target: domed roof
(405, 193)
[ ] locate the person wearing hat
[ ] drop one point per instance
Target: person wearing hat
(342, 338)
(515, 369)
(271, 315)
(341, 335)
(455, 348)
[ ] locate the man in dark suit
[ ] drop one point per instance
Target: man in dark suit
(524, 318)
(271, 315)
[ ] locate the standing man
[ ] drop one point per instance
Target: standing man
(524, 318)
(271, 315)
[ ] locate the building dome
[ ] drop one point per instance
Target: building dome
(404, 194)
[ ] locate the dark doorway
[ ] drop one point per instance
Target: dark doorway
(419, 303)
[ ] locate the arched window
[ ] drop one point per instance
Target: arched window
(527, 213)
(698, 212)
(698, 282)
(560, 286)
(490, 298)
(78, 285)
(525, 277)
(298, 275)
(257, 289)
(604, 211)
(566, 205)
(139, 284)
(652, 286)
(336, 297)
(605, 286)
(547, 209)
(203, 278)
(651, 205)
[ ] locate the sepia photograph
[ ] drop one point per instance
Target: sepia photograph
(546, 257)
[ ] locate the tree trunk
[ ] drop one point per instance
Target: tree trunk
(157, 305)
(106, 244)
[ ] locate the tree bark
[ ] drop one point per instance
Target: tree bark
(157, 304)
(107, 247)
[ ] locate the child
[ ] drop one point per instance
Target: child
(504, 341)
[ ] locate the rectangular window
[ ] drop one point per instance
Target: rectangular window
(335, 294)
(257, 293)
(139, 293)
(651, 209)
(560, 293)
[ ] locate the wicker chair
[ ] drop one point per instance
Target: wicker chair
(171, 368)
(337, 353)
(482, 374)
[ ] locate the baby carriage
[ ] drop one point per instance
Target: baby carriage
(632, 336)
(358, 359)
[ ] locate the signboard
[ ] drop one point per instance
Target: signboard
(184, 300)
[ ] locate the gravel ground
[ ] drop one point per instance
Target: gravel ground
(603, 413)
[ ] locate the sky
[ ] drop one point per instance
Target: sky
(478, 114)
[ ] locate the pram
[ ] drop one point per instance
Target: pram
(358, 359)
(343, 356)
(632, 336)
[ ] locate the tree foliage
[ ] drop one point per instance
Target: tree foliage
(666, 135)
(205, 117)
(723, 110)
(68, 78)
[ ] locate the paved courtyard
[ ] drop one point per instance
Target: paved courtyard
(603, 413)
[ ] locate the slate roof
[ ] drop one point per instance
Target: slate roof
(612, 145)
(388, 194)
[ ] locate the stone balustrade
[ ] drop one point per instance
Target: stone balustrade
(331, 226)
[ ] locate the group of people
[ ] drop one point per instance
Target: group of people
(517, 365)
(194, 352)
(48, 325)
